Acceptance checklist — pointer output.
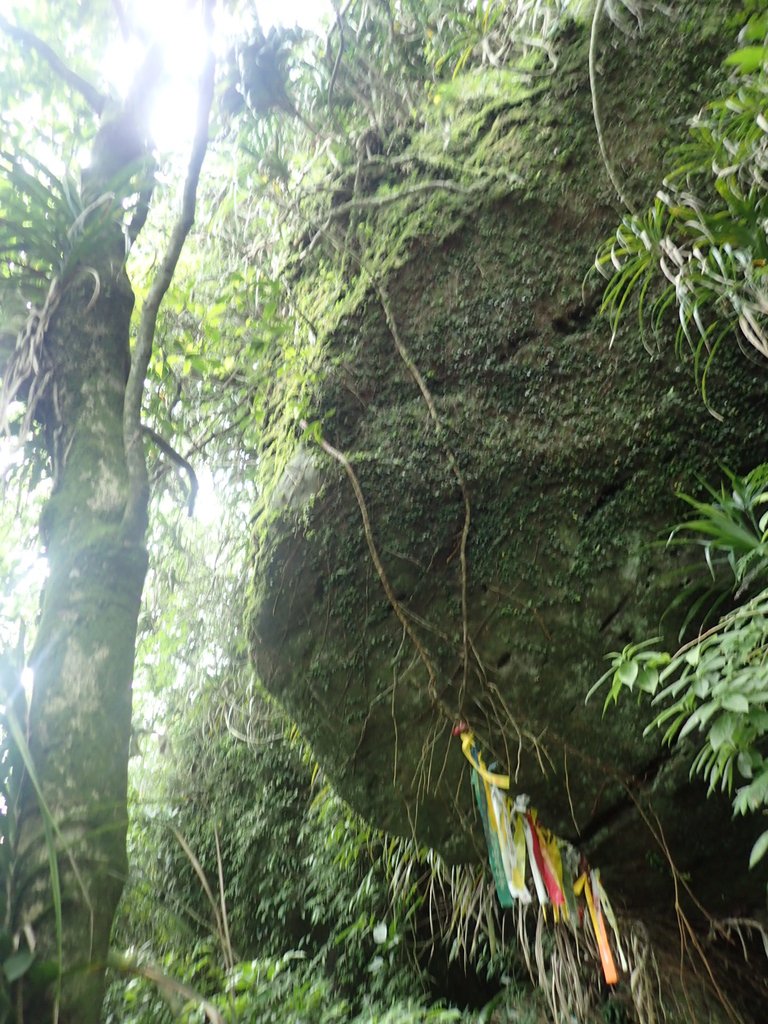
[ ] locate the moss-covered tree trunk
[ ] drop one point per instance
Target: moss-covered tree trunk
(94, 529)
(80, 713)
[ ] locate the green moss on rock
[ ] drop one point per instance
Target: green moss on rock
(571, 452)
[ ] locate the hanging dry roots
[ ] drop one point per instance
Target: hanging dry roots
(644, 980)
(28, 363)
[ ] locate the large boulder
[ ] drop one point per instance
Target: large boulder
(568, 451)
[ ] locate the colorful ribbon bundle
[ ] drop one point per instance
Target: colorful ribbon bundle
(514, 835)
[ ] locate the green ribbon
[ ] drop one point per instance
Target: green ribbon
(494, 853)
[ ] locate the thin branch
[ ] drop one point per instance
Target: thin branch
(197, 867)
(122, 20)
(452, 462)
(226, 937)
(139, 218)
(96, 100)
(122, 138)
(179, 460)
(337, 63)
(216, 435)
(135, 517)
(685, 928)
(595, 110)
(439, 431)
(339, 23)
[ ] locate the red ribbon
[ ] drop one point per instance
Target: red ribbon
(553, 886)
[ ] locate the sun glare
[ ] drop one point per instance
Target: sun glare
(208, 508)
(177, 26)
(28, 682)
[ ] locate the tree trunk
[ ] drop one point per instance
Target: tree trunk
(80, 714)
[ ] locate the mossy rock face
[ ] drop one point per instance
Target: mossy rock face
(571, 451)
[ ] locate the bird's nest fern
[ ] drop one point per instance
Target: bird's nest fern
(52, 233)
(702, 245)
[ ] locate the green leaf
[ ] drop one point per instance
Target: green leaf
(748, 59)
(759, 850)
(735, 702)
(627, 673)
(18, 964)
(700, 687)
(744, 764)
(756, 28)
(690, 725)
(693, 656)
(722, 731)
(648, 680)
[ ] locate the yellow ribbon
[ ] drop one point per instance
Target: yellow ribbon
(607, 910)
(490, 778)
(518, 876)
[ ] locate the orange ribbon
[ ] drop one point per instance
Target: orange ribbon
(598, 925)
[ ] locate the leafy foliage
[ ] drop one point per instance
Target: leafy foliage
(704, 235)
(300, 871)
(363, 156)
(325, 914)
(272, 991)
(49, 227)
(10, 777)
(303, 223)
(493, 31)
(715, 685)
(701, 247)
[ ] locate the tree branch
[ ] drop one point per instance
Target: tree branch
(135, 516)
(122, 139)
(179, 460)
(429, 401)
(339, 23)
(139, 218)
(122, 20)
(96, 100)
(609, 168)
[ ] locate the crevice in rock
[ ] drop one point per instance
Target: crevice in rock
(611, 816)
(614, 613)
(576, 315)
(608, 492)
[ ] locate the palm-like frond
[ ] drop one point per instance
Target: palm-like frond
(702, 245)
(51, 232)
(49, 224)
(731, 526)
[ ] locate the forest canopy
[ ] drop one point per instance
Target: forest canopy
(353, 372)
